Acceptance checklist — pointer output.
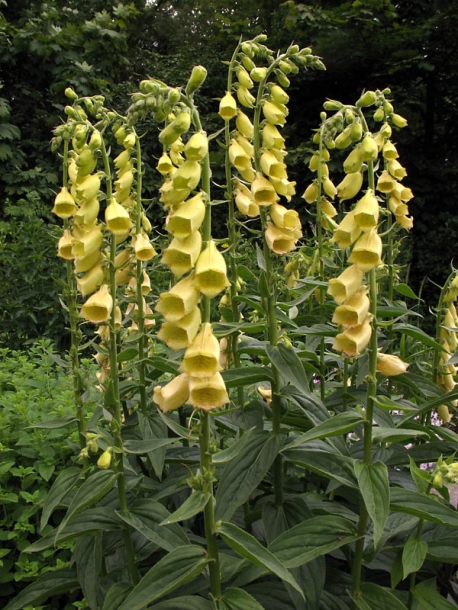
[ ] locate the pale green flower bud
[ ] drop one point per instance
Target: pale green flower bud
(244, 78)
(279, 95)
(258, 74)
(368, 148)
(198, 76)
(367, 99)
(244, 125)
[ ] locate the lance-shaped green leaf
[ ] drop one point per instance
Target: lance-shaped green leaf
(375, 490)
(373, 596)
(91, 491)
(53, 583)
(312, 538)
(429, 598)
(396, 435)
(153, 428)
(238, 599)
(64, 482)
(175, 569)
(290, 366)
(248, 547)
(334, 426)
(425, 507)
(235, 378)
(140, 447)
(242, 475)
(54, 424)
(116, 595)
(184, 602)
(88, 559)
(413, 555)
(313, 408)
(190, 507)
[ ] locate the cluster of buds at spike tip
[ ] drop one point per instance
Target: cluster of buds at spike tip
(449, 342)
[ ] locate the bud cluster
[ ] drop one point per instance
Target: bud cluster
(448, 339)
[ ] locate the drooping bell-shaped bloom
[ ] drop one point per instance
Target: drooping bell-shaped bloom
(181, 255)
(244, 200)
(343, 287)
(281, 241)
(201, 358)
(347, 232)
(284, 218)
(88, 188)
(244, 97)
(187, 176)
(179, 334)
(354, 311)
(188, 218)
(238, 156)
(368, 148)
(65, 245)
(274, 113)
(180, 300)
(353, 340)
(98, 307)
(390, 365)
(143, 249)
(367, 211)
(117, 218)
(64, 204)
(171, 195)
(389, 151)
(396, 169)
(196, 147)
(207, 393)
(88, 242)
(165, 165)
(227, 107)
(244, 125)
(367, 251)
(172, 395)
(87, 213)
(350, 186)
(272, 167)
(263, 190)
(406, 222)
(211, 271)
(283, 187)
(385, 183)
(272, 138)
(353, 162)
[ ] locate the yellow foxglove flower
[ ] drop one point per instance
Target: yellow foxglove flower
(258, 74)
(354, 311)
(367, 211)
(175, 129)
(165, 165)
(311, 193)
(117, 218)
(65, 245)
(87, 213)
(180, 334)
(247, 173)
(171, 195)
(244, 200)
(386, 131)
(385, 183)
(175, 152)
(279, 95)
(187, 176)
(211, 271)
(398, 120)
(328, 209)
(227, 107)
(207, 392)
(343, 287)
(347, 232)
(238, 156)
(88, 243)
(123, 268)
(368, 148)
(182, 254)
(396, 169)
(180, 300)
(329, 188)
(173, 395)
(284, 187)
(272, 167)
(196, 147)
(244, 97)
(143, 249)
(283, 218)
(272, 138)
(188, 218)
(88, 188)
(444, 414)
(244, 125)
(245, 144)
(201, 358)
(84, 263)
(64, 204)
(122, 160)
(98, 307)
(353, 162)
(406, 222)
(244, 78)
(396, 206)
(280, 241)
(104, 460)
(390, 365)
(367, 251)
(353, 340)
(123, 185)
(389, 151)
(275, 114)
(263, 191)
(350, 186)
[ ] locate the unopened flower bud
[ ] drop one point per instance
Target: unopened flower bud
(104, 460)
(258, 74)
(367, 99)
(198, 76)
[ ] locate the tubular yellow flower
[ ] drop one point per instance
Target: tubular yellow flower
(88, 188)
(280, 241)
(245, 144)
(173, 395)
(117, 218)
(283, 218)
(244, 97)
(88, 212)
(207, 392)
(275, 114)
(64, 204)
(279, 95)
(328, 209)
(244, 125)
(143, 249)
(368, 148)
(171, 195)
(389, 151)
(263, 191)
(353, 340)
(238, 156)
(396, 206)
(272, 138)
(188, 218)
(64, 247)
(329, 188)
(386, 183)
(350, 186)
(406, 222)
(354, 311)
(444, 414)
(396, 169)
(343, 287)
(398, 120)
(353, 162)
(272, 167)
(104, 460)
(211, 271)
(367, 251)
(244, 78)
(227, 107)
(123, 268)
(182, 254)
(88, 243)
(390, 365)
(179, 335)
(165, 165)
(196, 147)
(311, 193)
(122, 160)
(244, 200)
(180, 300)
(98, 307)
(84, 263)
(347, 232)
(284, 187)
(175, 152)
(367, 211)
(187, 176)
(201, 359)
